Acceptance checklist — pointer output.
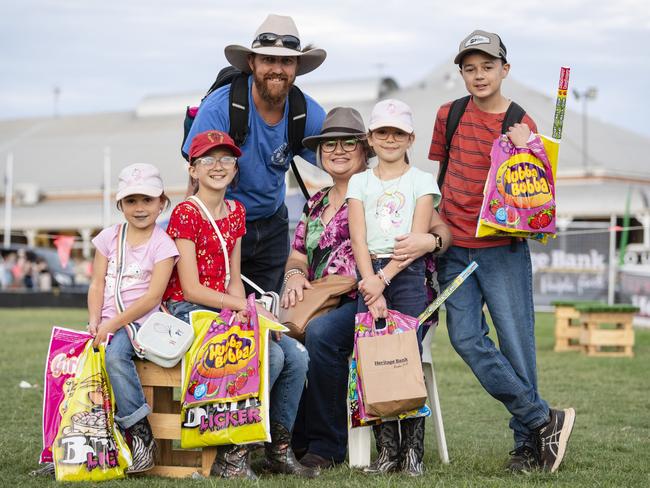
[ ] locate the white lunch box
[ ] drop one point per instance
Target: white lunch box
(165, 339)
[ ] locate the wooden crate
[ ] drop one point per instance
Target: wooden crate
(568, 328)
(598, 341)
(158, 385)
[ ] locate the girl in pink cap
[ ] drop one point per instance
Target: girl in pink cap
(133, 263)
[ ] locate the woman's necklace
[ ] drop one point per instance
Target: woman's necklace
(391, 187)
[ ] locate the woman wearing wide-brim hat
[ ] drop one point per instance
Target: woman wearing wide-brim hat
(321, 247)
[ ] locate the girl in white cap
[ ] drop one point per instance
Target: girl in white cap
(133, 263)
(391, 200)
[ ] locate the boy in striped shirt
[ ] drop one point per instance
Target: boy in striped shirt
(503, 280)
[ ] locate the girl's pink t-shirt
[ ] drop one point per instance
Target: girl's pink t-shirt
(139, 264)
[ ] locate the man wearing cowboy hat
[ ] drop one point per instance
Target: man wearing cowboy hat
(273, 61)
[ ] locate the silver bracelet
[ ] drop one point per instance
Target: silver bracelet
(382, 275)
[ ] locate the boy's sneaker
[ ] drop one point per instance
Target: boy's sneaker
(552, 438)
(523, 460)
(143, 447)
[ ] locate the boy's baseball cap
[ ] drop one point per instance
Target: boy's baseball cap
(391, 113)
(139, 179)
(479, 40)
(205, 141)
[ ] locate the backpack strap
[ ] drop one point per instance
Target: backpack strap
(238, 109)
(514, 115)
(456, 111)
(296, 131)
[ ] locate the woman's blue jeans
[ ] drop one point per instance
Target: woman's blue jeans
(288, 364)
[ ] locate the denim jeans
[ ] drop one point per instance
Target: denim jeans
(503, 282)
(406, 293)
(129, 397)
(288, 364)
(322, 426)
(264, 251)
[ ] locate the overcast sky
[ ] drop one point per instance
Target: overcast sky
(107, 55)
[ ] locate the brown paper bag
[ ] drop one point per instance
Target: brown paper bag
(391, 374)
(325, 296)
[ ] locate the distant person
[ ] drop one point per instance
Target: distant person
(201, 281)
(390, 200)
(148, 262)
(273, 62)
(503, 279)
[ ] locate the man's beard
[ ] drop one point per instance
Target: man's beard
(273, 96)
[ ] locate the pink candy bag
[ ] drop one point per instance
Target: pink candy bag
(65, 347)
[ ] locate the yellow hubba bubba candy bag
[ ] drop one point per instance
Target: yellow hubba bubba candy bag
(225, 397)
(88, 445)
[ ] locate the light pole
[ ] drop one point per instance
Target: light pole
(586, 95)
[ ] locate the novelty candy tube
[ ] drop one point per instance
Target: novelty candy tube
(560, 103)
(433, 306)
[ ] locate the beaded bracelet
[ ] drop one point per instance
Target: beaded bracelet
(383, 276)
(293, 272)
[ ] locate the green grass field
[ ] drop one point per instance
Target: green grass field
(610, 445)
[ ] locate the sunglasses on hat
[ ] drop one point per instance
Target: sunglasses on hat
(271, 39)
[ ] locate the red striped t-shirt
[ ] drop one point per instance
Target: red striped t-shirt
(469, 163)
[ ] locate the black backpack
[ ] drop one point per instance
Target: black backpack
(514, 115)
(238, 113)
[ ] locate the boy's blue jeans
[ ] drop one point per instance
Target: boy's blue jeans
(288, 364)
(503, 282)
(130, 403)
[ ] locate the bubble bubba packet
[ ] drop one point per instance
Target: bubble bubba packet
(519, 194)
(88, 445)
(396, 323)
(225, 387)
(66, 345)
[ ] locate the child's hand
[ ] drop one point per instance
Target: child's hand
(92, 328)
(371, 289)
(378, 309)
(101, 336)
(265, 313)
(519, 134)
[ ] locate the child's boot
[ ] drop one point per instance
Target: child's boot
(412, 447)
(387, 441)
(143, 446)
(232, 461)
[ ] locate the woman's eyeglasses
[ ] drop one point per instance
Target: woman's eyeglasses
(382, 134)
(271, 39)
(226, 162)
(348, 145)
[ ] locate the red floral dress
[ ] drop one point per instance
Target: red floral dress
(186, 222)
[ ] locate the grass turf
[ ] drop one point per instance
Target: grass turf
(609, 446)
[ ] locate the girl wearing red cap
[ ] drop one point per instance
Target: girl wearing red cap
(200, 281)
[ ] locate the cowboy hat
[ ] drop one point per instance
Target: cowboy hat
(277, 36)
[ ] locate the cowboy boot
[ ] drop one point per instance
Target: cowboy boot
(387, 442)
(280, 457)
(232, 462)
(143, 446)
(412, 447)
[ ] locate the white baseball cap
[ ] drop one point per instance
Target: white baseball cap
(139, 179)
(391, 113)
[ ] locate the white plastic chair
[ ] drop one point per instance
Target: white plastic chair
(359, 439)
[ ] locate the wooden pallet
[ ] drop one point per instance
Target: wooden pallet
(158, 385)
(598, 341)
(568, 329)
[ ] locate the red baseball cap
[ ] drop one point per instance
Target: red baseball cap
(205, 141)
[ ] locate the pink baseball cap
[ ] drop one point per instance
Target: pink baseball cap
(391, 113)
(139, 179)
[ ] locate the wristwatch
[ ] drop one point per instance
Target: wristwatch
(438, 240)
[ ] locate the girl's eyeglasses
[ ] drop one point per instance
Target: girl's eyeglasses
(348, 145)
(271, 39)
(382, 134)
(226, 162)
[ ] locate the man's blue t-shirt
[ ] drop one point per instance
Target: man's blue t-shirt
(266, 154)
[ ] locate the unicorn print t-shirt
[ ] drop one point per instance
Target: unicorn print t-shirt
(389, 205)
